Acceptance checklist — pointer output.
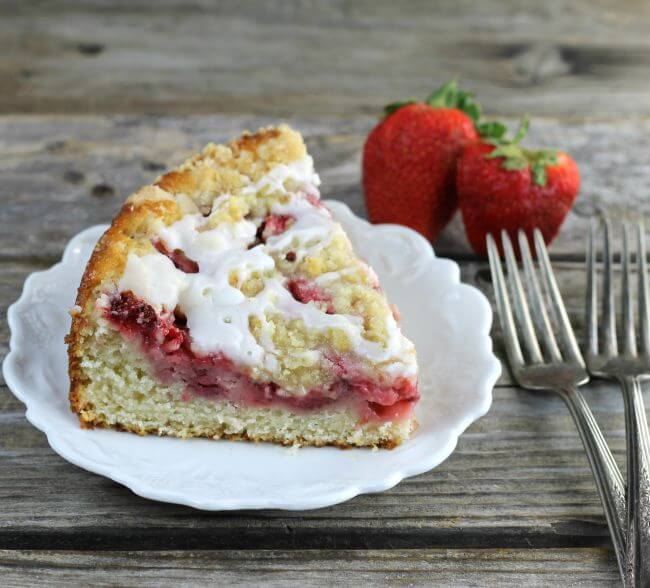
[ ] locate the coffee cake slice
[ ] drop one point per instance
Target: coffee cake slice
(225, 302)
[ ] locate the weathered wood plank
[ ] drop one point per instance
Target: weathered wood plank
(61, 175)
(416, 567)
(519, 477)
(309, 58)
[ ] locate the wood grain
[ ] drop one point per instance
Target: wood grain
(516, 501)
(525, 481)
(61, 175)
(278, 58)
(413, 567)
(518, 478)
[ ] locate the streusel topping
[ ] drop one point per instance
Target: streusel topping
(277, 287)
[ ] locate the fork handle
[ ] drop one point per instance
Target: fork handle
(638, 481)
(609, 481)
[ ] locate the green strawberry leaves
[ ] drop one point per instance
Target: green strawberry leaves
(495, 133)
(509, 149)
(447, 96)
(394, 106)
(515, 157)
(492, 129)
(450, 96)
(539, 161)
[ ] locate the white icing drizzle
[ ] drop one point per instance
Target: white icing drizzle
(334, 276)
(154, 279)
(313, 225)
(218, 313)
(207, 246)
(299, 175)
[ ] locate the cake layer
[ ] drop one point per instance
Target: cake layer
(164, 341)
(122, 393)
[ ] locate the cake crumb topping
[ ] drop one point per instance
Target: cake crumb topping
(277, 283)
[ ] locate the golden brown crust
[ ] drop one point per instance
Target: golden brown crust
(176, 182)
(216, 169)
(105, 264)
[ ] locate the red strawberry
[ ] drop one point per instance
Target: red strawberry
(502, 186)
(409, 160)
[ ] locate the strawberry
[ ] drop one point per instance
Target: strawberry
(409, 159)
(502, 186)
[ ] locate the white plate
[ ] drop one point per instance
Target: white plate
(448, 321)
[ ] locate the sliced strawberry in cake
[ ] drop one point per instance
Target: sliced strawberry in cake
(226, 302)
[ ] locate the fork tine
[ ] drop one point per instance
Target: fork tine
(513, 350)
(542, 321)
(592, 296)
(519, 302)
(567, 338)
(609, 317)
(629, 335)
(642, 266)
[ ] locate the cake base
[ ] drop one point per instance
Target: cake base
(121, 394)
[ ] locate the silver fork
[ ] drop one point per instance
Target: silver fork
(626, 366)
(555, 365)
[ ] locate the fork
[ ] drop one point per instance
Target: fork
(627, 367)
(555, 365)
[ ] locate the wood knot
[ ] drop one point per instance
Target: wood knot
(102, 190)
(153, 166)
(90, 49)
(534, 64)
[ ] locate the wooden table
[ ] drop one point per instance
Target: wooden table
(96, 99)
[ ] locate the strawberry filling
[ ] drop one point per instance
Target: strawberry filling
(304, 291)
(314, 200)
(165, 342)
(275, 224)
(178, 258)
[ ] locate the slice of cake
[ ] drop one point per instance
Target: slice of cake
(225, 301)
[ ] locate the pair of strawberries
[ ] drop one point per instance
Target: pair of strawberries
(426, 159)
